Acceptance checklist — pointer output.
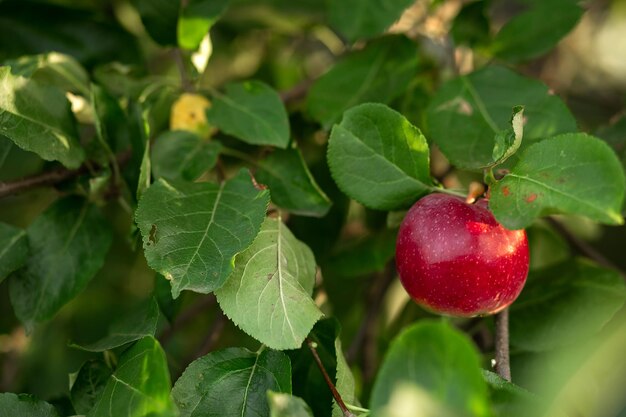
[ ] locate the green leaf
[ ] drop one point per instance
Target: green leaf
(197, 18)
(467, 112)
(134, 326)
(140, 386)
(53, 68)
(291, 184)
(285, 405)
(23, 405)
(13, 249)
(377, 157)
(253, 112)
(192, 231)
(530, 34)
(160, 18)
(89, 384)
(357, 19)
(268, 294)
(378, 73)
(232, 383)
(145, 179)
(564, 305)
(182, 155)
(68, 245)
(509, 400)
(434, 359)
(38, 118)
(509, 140)
(572, 173)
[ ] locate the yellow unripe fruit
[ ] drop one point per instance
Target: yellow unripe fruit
(189, 113)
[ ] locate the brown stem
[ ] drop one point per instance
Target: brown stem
(185, 81)
(365, 339)
(297, 92)
(53, 177)
(503, 363)
(200, 306)
(583, 247)
(329, 382)
(212, 336)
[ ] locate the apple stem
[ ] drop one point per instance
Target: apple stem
(503, 363)
(344, 409)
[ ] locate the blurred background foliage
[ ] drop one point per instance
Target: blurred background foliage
(287, 43)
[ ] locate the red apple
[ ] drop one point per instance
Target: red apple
(455, 259)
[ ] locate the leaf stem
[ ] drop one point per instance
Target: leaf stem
(344, 409)
(448, 191)
(503, 363)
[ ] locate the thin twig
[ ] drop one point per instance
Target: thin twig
(583, 247)
(179, 59)
(201, 305)
(297, 92)
(365, 338)
(503, 362)
(346, 412)
(53, 177)
(212, 336)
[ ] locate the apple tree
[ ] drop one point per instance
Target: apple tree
(335, 208)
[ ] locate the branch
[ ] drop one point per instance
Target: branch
(53, 177)
(213, 335)
(297, 92)
(365, 338)
(329, 382)
(503, 363)
(201, 305)
(583, 247)
(185, 81)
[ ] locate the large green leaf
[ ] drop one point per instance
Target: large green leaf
(357, 19)
(253, 112)
(140, 385)
(13, 249)
(40, 27)
(377, 157)
(53, 68)
(68, 244)
(530, 34)
(89, 384)
(572, 173)
(291, 185)
(565, 304)
(192, 231)
(232, 383)
(160, 18)
(182, 155)
(133, 326)
(38, 118)
(436, 361)
(23, 405)
(467, 112)
(196, 19)
(285, 405)
(268, 295)
(378, 73)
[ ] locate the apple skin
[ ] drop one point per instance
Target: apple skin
(455, 259)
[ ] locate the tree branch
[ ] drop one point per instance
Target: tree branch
(346, 412)
(365, 338)
(583, 247)
(185, 81)
(503, 363)
(53, 177)
(297, 92)
(201, 305)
